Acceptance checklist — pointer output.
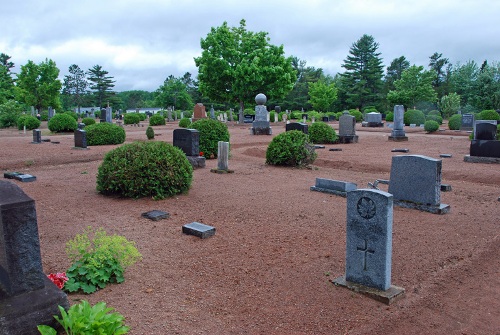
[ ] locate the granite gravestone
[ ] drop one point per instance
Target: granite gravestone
(199, 112)
(222, 158)
(261, 125)
(109, 115)
(331, 186)
(37, 136)
(303, 127)
(102, 117)
(80, 139)
(485, 130)
(398, 133)
(369, 245)
(347, 128)
(374, 119)
(415, 182)
(188, 140)
(467, 122)
(27, 297)
(212, 113)
(484, 147)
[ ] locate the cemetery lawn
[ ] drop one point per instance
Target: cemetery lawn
(277, 245)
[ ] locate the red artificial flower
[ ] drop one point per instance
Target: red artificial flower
(58, 278)
(201, 153)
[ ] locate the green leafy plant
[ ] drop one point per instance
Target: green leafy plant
(157, 120)
(98, 261)
(44, 115)
(320, 132)
(434, 117)
(140, 169)
(105, 133)
(414, 116)
(357, 114)
(62, 122)
(29, 121)
(131, 118)
(83, 319)
(389, 117)
(88, 121)
(455, 122)
(184, 123)
(211, 132)
(431, 126)
(150, 133)
(10, 111)
(489, 114)
(74, 115)
(291, 148)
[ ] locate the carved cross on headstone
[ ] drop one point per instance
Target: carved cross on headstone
(366, 251)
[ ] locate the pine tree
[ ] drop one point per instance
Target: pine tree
(75, 85)
(101, 84)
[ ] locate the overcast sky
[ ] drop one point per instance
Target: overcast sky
(141, 43)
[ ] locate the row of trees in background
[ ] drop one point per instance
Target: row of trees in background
(236, 64)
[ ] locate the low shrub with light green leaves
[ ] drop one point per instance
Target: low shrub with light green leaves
(28, 121)
(105, 133)
(431, 126)
(211, 132)
(185, 122)
(489, 114)
(291, 148)
(88, 121)
(414, 116)
(150, 133)
(83, 319)
(434, 117)
(322, 133)
(389, 117)
(455, 122)
(62, 122)
(98, 260)
(157, 120)
(131, 118)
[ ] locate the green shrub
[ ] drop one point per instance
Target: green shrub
(44, 115)
(320, 132)
(29, 121)
(131, 118)
(291, 148)
(414, 116)
(88, 121)
(370, 109)
(156, 120)
(455, 122)
(434, 112)
(142, 169)
(9, 113)
(62, 122)
(72, 114)
(150, 133)
(431, 126)
(98, 261)
(82, 319)
(498, 131)
(357, 114)
(489, 115)
(142, 116)
(104, 133)
(185, 122)
(389, 117)
(211, 132)
(434, 117)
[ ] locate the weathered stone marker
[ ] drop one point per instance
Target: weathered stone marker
(398, 133)
(261, 125)
(37, 136)
(222, 158)
(27, 297)
(198, 229)
(80, 139)
(369, 245)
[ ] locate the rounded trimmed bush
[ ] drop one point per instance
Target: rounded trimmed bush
(29, 121)
(150, 133)
(291, 148)
(142, 116)
(414, 116)
(434, 112)
(104, 133)
(73, 115)
(62, 122)
(131, 118)
(455, 122)
(489, 114)
(389, 117)
(145, 169)
(431, 126)
(434, 117)
(88, 121)
(357, 114)
(185, 122)
(156, 120)
(320, 132)
(211, 132)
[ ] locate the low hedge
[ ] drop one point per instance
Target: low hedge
(104, 134)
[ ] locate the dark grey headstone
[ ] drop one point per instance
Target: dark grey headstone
(37, 136)
(335, 149)
(485, 130)
(248, 118)
(198, 229)
(347, 125)
(25, 177)
(80, 138)
(400, 150)
(318, 146)
(467, 122)
(484, 148)
(188, 140)
(445, 155)
(303, 127)
(325, 119)
(81, 125)
(156, 215)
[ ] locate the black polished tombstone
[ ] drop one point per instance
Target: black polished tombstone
(303, 127)
(485, 143)
(80, 138)
(485, 131)
(37, 136)
(188, 140)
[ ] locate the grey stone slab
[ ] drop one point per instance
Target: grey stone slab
(335, 149)
(303, 127)
(198, 229)
(347, 125)
(25, 178)
(188, 140)
(197, 162)
(398, 133)
(479, 159)
(348, 139)
(467, 122)
(80, 139)
(261, 113)
(373, 117)
(336, 187)
(400, 150)
(37, 136)
(389, 296)
(156, 215)
(445, 155)
(11, 175)
(319, 146)
(369, 238)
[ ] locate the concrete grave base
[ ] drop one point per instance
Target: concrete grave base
(398, 138)
(348, 139)
(261, 131)
(196, 162)
(221, 171)
(327, 190)
(80, 148)
(393, 294)
(478, 159)
(21, 314)
(441, 209)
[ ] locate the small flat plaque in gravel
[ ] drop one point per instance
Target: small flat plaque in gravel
(335, 149)
(11, 175)
(198, 229)
(25, 178)
(156, 215)
(319, 147)
(445, 155)
(400, 150)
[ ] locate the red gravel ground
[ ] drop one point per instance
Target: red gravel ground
(277, 246)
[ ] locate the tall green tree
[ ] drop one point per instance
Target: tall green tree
(6, 80)
(174, 92)
(75, 86)
(441, 79)
(5, 61)
(414, 86)
(38, 85)
(322, 95)
(449, 104)
(463, 80)
(101, 84)
(363, 73)
(236, 65)
(394, 71)
(486, 87)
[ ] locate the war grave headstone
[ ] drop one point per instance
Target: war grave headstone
(415, 182)
(303, 127)
(198, 229)
(261, 125)
(188, 140)
(467, 122)
(484, 148)
(368, 263)
(373, 119)
(347, 128)
(398, 134)
(37, 136)
(199, 112)
(222, 158)
(336, 187)
(27, 297)
(80, 139)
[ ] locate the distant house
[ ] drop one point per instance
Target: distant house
(149, 111)
(89, 110)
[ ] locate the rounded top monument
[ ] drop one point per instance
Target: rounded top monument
(260, 99)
